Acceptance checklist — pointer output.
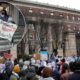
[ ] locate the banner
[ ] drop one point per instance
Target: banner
(7, 56)
(7, 30)
(44, 55)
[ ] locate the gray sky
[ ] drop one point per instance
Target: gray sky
(66, 3)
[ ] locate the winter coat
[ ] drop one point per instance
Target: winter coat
(56, 74)
(14, 76)
(75, 75)
(66, 75)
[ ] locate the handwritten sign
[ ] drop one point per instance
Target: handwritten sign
(7, 30)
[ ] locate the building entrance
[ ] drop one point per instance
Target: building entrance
(78, 43)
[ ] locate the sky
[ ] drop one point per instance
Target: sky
(75, 4)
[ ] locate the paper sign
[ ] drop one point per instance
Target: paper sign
(7, 30)
(44, 55)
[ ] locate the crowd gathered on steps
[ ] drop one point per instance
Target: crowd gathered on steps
(52, 69)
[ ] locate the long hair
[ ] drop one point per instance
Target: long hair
(65, 67)
(47, 72)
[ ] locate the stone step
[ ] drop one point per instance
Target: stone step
(5, 47)
(17, 36)
(7, 42)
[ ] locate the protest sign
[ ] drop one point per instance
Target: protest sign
(36, 56)
(44, 55)
(7, 30)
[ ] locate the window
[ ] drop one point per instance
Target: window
(61, 15)
(21, 20)
(51, 14)
(73, 18)
(67, 17)
(78, 18)
(30, 11)
(31, 26)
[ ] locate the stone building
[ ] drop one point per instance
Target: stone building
(7, 46)
(48, 27)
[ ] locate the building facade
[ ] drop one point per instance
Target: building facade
(16, 17)
(48, 27)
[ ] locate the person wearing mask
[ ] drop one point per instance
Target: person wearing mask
(3, 15)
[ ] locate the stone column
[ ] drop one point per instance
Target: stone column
(37, 37)
(60, 38)
(50, 40)
(26, 41)
(14, 13)
(26, 48)
(70, 44)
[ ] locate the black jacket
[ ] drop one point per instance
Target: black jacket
(75, 75)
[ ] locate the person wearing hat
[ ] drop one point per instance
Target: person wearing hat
(15, 73)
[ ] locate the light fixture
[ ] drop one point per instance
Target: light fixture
(61, 15)
(42, 12)
(51, 14)
(30, 11)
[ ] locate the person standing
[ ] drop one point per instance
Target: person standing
(76, 74)
(47, 74)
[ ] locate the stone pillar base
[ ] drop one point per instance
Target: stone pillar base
(60, 52)
(70, 47)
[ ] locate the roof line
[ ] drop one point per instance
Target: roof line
(49, 5)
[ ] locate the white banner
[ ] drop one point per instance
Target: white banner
(7, 30)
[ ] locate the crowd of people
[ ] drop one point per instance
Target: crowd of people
(52, 69)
